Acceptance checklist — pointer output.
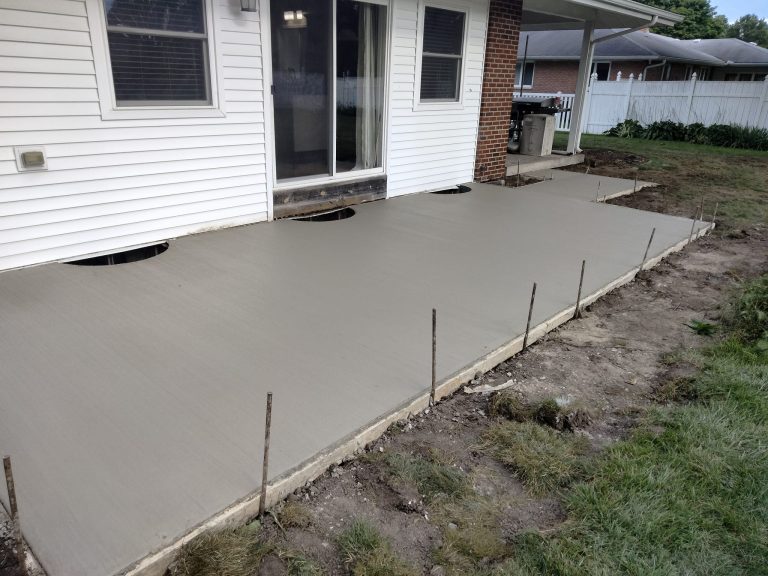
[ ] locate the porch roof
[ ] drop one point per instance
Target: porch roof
(571, 14)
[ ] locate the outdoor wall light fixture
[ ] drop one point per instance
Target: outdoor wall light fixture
(249, 5)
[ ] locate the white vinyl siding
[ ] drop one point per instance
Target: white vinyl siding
(114, 184)
(432, 147)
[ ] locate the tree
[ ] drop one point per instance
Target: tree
(750, 28)
(701, 19)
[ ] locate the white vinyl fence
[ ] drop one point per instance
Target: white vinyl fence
(610, 102)
(562, 119)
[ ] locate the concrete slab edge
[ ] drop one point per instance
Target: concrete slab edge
(247, 508)
(640, 186)
(34, 568)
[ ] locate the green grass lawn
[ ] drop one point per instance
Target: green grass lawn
(736, 179)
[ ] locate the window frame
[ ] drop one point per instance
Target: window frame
(111, 110)
(440, 104)
(594, 68)
(533, 74)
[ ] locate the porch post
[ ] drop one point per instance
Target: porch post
(503, 34)
(585, 67)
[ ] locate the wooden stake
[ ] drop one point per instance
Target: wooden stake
(645, 256)
(21, 556)
(714, 214)
(265, 462)
(530, 313)
(434, 357)
(634, 188)
(577, 312)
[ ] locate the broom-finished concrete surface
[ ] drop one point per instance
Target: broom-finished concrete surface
(132, 396)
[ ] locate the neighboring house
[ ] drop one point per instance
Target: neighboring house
(552, 61)
(125, 123)
(744, 61)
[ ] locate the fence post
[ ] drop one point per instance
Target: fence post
(618, 76)
(689, 104)
(629, 96)
(587, 114)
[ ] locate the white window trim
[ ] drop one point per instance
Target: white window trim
(436, 104)
(533, 75)
(596, 62)
(106, 88)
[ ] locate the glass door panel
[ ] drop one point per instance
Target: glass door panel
(361, 30)
(301, 73)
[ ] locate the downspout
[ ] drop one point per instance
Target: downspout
(575, 141)
(645, 70)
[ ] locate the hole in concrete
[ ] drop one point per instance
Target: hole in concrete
(123, 257)
(341, 214)
(461, 189)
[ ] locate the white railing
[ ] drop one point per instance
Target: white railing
(562, 119)
(610, 102)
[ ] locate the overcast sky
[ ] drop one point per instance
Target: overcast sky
(734, 9)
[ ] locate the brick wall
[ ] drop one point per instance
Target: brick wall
(498, 89)
(561, 76)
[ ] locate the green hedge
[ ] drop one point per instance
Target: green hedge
(729, 136)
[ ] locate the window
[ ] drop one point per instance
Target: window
(602, 69)
(528, 80)
(159, 52)
(442, 53)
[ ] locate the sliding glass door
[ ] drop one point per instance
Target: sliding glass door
(328, 71)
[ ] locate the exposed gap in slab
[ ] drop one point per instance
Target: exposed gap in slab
(135, 255)
(341, 214)
(460, 189)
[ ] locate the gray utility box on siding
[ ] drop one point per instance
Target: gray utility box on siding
(537, 135)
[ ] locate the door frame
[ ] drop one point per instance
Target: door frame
(269, 111)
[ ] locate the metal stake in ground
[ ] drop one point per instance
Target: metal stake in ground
(530, 313)
(21, 556)
(434, 357)
(265, 462)
(597, 194)
(634, 188)
(577, 312)
(693, 225)
(714, 214)
(645, 256)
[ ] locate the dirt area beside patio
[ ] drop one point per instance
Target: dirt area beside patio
(598, 374)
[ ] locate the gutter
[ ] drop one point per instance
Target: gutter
(645, 70)
(650, 24)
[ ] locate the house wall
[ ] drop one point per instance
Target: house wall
(561, 75)
(117, 183)
(114, 183)
(432, 147)
(719, 73)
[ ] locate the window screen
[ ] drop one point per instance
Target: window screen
(158, 50)
(528, 80)
(442, 54)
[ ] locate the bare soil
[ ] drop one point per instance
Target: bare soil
(613, 361)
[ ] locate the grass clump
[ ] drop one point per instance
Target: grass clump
(368, 553)
(295, 515)
(748, 315)
(230, 552)
(299, 565)
(430, 475)
(544, 459)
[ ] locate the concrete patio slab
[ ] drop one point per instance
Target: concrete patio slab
(533, 163)
(589, 187)
(131, 396)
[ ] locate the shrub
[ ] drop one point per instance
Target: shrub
(724, 135)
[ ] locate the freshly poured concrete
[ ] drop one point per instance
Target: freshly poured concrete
(131, 396)
(529, 164)
(589, 187)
